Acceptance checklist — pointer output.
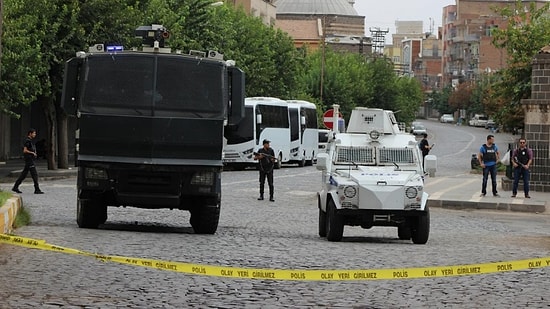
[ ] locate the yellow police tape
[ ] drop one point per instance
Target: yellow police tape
(292, 274)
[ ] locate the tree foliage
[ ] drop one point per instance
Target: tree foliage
(526, 33)
(39, 36)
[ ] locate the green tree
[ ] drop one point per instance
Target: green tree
(408, 99)
(526, 33)
(439, 100)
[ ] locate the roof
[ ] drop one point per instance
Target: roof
(320, 7)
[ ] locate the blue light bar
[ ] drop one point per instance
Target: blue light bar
(115, 48)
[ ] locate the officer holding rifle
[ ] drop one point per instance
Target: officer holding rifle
(266, 162)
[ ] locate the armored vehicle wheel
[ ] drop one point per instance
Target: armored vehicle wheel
(322, 221)
(335, 224)
(90, 213)
(420, 230)
(404, 232)
(204, 219)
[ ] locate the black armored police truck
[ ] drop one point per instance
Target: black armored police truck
(149, 127)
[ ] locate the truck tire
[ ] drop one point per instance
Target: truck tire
(322, 220)
(90, 213)
(420, 230)
(335, 223)
(204, 220)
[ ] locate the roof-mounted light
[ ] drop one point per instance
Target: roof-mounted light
(114, 48)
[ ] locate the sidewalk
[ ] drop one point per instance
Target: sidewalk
(463, 191)
(456, 192)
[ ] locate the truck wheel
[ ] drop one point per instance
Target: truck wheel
(204, 220)
(335, 223)
(322, 221)
(90, 213)
(404, 232)
(420, 230)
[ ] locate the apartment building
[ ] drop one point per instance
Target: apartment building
(467, 39)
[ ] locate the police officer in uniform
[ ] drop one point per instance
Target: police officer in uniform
(266, 162)
(488, 157)
(29, 153)
(522, 157)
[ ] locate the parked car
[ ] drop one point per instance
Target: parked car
(490, 124)
(419, 129)
(413, 124)
(447, 118)
(479, 120)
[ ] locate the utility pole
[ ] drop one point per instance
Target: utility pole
(1, 24)
(323, 42)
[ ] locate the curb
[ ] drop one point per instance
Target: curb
(502, 206)
(8, 212)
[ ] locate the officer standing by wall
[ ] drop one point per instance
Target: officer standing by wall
(522, 157)
(266, 162)
(29, 153)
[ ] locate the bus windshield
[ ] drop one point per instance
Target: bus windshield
(149, 85)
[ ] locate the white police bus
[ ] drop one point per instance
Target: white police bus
(287, 125)
(304, 132)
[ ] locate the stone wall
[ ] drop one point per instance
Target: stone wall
(537, 123)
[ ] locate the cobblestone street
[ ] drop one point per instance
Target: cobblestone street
(260, 234)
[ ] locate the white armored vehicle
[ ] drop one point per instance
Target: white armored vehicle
(372, 176)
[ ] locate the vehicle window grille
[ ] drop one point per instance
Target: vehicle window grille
(357, 155)
(396, 155)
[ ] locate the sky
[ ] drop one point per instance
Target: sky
(384, 13)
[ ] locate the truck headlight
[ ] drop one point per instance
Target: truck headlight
(350, 191)
(95, 173)
(203, 178)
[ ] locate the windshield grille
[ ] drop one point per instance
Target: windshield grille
(357, 155)
(396, 155)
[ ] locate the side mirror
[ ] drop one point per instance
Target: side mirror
(236, 112)
(303, 120)
(322, 161)
(70, 84)
(430, 165)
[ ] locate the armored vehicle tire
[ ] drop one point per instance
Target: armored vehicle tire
(420, 230)
(90, 213)
(335, 223)
(322, 220)
(204, 220)
(404, 232)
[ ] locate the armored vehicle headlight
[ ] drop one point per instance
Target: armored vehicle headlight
(411, 192)
(350, 191)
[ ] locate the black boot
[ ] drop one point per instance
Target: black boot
(261, 198)
(271, 199)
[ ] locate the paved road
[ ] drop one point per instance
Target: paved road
(266, 235)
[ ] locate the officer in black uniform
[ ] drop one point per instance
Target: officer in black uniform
(266, 162)
(29, 153)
